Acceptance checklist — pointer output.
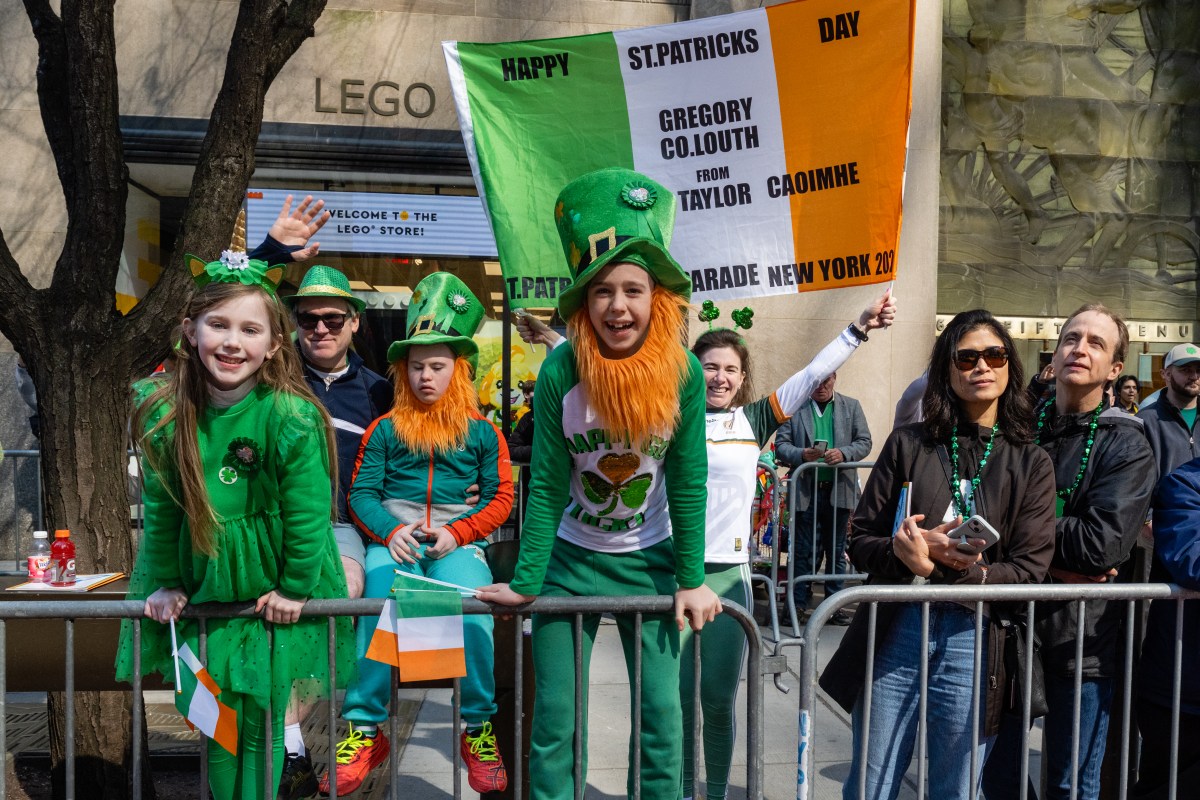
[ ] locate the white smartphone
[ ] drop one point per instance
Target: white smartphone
(821, 446)
(974, 528)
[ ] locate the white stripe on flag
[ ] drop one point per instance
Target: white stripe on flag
(429, 633)
(203, 711)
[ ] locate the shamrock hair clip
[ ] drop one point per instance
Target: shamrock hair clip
(743, 317)
(234, 267)
(709, 312)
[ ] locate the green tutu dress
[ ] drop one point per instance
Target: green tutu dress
(266, 469)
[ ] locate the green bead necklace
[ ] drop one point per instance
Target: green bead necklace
(956, 486)
(1065, 494)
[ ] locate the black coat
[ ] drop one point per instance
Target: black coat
(1098, 529)
(1015, 495)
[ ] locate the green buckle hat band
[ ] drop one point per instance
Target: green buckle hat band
(322, 281)
(616, 215)
(442, 311)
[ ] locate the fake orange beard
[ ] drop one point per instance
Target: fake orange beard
(438, 426)
(637, 395)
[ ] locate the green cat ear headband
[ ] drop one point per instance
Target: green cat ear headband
(742, 317)
(234, 266)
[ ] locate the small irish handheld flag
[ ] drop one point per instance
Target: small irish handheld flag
(196, 698)
(421, 630)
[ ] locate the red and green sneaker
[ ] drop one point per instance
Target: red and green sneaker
(485, 768)
(357, 755)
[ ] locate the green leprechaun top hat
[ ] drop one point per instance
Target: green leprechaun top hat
(442, 311)
(613, 215)
(322, 281)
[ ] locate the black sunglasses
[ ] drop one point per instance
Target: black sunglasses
(333, 322)
(995, 357)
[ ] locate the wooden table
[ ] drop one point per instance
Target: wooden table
(35, 649)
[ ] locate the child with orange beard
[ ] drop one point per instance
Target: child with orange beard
(621, 412)
(411, 476)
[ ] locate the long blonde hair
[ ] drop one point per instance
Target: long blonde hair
(441, 425)
(637, 395)
(184, 395)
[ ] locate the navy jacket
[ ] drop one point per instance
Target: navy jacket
(354, 401)
(1173, 444)
(1176, 560)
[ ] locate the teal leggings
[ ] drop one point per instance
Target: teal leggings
(722, 655)
(575, 571)
(368, 698)
(241, 776)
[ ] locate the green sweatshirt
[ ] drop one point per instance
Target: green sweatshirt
(604, 495)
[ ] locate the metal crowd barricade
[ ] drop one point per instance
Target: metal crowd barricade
(870, 596)
(808, 473)
(71, 610)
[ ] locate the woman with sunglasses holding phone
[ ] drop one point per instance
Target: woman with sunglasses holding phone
(973, 454)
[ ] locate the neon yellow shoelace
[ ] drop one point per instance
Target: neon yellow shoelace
(349, 746)
(483, 746)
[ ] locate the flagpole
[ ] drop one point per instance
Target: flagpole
(175, 656)
(467, 589)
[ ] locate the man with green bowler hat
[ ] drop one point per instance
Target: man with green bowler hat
(326, 313)
(406, 496)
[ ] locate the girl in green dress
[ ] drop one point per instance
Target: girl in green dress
(239, 488)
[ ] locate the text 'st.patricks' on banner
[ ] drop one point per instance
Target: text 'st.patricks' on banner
(781, 132)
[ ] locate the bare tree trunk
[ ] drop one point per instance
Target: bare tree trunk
(82, 354)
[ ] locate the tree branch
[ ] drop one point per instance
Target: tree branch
(226, 159)
(52, 88)
(96, 199)
(19, 303)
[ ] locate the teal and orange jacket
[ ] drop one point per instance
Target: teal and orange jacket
(393, 486)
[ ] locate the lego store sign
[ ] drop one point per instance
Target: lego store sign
(385, 223)
(382, 98)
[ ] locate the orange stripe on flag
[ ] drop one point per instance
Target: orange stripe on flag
(383, 646)
(430, 665)
(226, 730)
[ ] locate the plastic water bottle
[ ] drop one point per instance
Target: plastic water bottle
(62, 559)
(39, 558)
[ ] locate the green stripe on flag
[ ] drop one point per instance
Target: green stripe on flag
(416, 598)
(542, 131)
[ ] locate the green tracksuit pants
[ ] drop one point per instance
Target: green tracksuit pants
(576, 571)
(722, 656)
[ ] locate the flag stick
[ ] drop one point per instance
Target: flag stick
(175, 655)
(466, 589)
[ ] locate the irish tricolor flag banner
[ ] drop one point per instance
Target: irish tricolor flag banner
(196, 698)
(421, 631)
(780, 130)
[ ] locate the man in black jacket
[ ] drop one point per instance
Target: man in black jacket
(1105, 475)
